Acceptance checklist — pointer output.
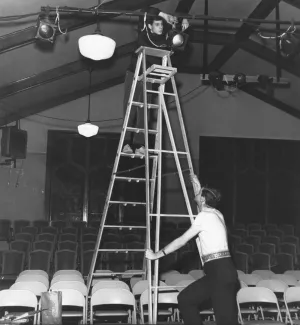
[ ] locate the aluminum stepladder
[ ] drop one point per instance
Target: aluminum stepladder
(157, 74)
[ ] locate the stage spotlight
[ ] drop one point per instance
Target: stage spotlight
(177, 39)
(289, 45)
(46, 30)
(239, 79)
(216, 79)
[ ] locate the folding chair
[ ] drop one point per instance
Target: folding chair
(114, 297)
(257, 295)
(63, 285)
(35, 287)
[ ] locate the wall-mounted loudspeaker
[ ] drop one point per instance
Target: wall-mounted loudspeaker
(14, 143)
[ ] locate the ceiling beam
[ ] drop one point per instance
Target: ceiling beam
(70, 22)
(265, 53)
(60, 100)
(294, 3)
(84, 64)
(64, 71)
(184, 6)
(264, 8)
(272, 101)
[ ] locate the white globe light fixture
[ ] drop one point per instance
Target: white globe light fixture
(96, 46)
(88, 129)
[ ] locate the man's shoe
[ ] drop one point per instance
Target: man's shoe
(140, 151)
(127, 149)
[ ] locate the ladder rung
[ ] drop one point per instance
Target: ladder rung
(122, 250)
(157, 81)
(157, 92)
(126, 203)
(129, 227)
(133, 155)
(171, 215)
(140, 130)
(168, 151)
(167, 287)
(134, 179)
(142, 105)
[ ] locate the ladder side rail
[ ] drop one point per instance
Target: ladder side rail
(111, 184)
(185, 141)
(158, 204)
(159, 185)
(185, 194)
(177, 161)
(148, 239)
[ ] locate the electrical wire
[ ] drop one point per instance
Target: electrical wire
(18, 17)
(114, 119)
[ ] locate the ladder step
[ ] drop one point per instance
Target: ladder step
(121, 250)
(140, 104)
(129, 227)
(127, 203)
(134, 179)
(171, 215)
(140, 130)
(157, 92)
(133, 155)
(168, 151)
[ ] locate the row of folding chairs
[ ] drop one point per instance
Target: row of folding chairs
(286, 228)
(254, 240)
(45, 235)
(279, 262)
(13, 262)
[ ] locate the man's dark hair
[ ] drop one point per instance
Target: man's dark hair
(212, 196)
(151, 19)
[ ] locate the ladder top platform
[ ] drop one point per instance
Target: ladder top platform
(153, 51)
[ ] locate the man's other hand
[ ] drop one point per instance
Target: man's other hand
(150, 255)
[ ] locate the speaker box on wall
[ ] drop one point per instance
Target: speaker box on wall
(14, 143)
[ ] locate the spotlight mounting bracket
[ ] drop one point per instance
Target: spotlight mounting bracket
(259, 80)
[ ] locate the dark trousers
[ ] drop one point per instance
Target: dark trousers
(220, 285)
(136, 117)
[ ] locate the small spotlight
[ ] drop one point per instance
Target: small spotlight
(46, 30)
(289, 45)
(216, 79)
(239, 79)
(177, 39)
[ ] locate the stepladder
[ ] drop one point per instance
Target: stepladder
(135, 206)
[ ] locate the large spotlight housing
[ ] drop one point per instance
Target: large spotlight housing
(46, 31)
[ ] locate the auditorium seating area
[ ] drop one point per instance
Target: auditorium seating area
(265, 247)
(41, 257)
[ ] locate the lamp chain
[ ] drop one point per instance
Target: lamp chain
(90, 85)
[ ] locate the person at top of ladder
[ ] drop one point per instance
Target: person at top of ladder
(153, 34)
(220, 283)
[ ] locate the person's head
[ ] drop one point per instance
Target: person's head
(208, 196)
(155, 25)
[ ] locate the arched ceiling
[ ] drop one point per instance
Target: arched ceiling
(36, 77)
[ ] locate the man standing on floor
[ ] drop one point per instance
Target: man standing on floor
(220, 284)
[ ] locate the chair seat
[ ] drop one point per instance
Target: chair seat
(207, 312)
(105, 313)
(248, 311)
(162, 312)
(262, 322)
(73, 313)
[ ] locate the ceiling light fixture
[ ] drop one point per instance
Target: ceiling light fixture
(96, 46)
(88, 129)
(46, 30)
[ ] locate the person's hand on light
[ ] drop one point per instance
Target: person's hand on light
(150, 255)
(185, 24)
(169, 18)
